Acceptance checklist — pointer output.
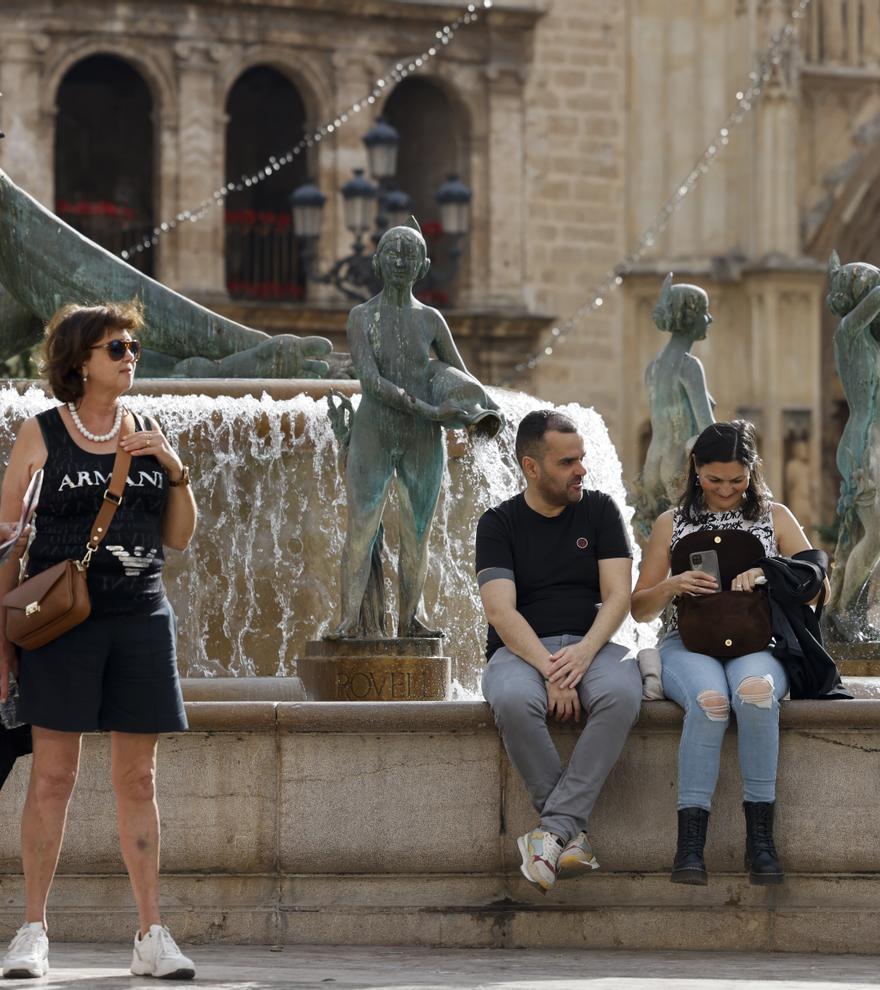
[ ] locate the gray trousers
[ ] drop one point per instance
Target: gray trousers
(610, 694)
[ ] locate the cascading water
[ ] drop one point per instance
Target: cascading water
(261, 576)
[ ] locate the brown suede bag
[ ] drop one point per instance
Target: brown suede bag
(728, 623)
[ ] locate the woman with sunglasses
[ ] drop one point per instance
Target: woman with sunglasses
(116, 671)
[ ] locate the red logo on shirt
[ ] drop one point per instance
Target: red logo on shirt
(582, 543)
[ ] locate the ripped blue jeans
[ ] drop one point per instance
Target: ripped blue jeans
(707, 689)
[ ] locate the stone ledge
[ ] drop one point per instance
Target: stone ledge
(277, 388)
(636, 911)
(474, 716)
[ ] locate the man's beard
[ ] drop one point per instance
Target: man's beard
(561, 497)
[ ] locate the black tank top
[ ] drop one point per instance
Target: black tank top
(125, 574)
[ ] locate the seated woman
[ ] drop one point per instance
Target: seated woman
(724, 491)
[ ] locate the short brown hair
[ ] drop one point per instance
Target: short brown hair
(534, 426)
(70, 335)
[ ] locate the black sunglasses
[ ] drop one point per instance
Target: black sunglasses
(117, 349)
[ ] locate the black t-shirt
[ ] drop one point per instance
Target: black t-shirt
(555, 561)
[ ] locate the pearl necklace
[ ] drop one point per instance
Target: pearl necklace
(77, 422)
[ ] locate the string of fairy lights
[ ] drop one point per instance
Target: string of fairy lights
(443, 37)
(746, 100)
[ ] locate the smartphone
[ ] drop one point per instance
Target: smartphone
(707, 561)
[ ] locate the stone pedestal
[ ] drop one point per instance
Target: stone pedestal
(375, 670)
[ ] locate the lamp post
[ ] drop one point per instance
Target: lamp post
(366, 207)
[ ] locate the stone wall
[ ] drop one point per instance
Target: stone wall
(576, 169)
(395, 824)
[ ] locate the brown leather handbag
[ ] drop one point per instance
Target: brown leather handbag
(43, 607)
(726, 624)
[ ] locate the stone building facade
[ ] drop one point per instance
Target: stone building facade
(573, 121)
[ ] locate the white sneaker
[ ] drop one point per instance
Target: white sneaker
(157, 954)
(28, 954)
(539, 850)
(577, 858)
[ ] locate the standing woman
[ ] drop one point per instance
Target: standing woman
(117, 671)
(724, 491)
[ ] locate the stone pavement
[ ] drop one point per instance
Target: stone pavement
(233, 967)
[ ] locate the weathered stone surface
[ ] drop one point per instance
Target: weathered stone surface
(364, 824)
(243, 689)
(446, 811)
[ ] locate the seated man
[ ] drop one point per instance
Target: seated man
(546, 561)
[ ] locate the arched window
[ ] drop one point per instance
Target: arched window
(266, 116)
(433, 146)
(104, 155)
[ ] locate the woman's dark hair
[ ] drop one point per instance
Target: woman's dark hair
(722, 443)
(70, 335)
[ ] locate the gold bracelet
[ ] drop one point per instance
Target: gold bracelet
(182, 480)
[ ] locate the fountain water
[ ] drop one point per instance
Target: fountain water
(260, 578)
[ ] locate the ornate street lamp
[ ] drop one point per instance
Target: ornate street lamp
(398, 208)
(454, 198)
(307, 202)
(382, 141)
(358, 203)
(366, 206)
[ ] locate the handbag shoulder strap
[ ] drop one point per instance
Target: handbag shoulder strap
(111, 501)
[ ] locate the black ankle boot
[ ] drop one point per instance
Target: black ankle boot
(689, 866)
(761, 860)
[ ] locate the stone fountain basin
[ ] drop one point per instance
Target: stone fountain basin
(243, 689)
(361, 823)
(261, 577)
(279, 689)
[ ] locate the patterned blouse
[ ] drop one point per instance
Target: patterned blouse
(762, 528)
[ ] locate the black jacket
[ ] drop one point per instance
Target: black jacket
(791, 583)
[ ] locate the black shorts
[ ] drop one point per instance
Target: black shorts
(112, 673)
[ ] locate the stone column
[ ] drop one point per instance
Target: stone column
(505, 188)
(763, 300)
(166, 136)
(776, 217)
(200, 269)
(27, 152)
(776, 208)
(786, 318)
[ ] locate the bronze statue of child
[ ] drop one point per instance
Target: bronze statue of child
(396, 430)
